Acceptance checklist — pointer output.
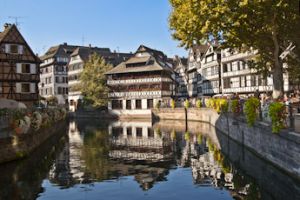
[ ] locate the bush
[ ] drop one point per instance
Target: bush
(186, 104)
(198, 103)
(277, 114)
(251, 109)
(172, 103)
(157, 105)
(235, 106)
(219, 105)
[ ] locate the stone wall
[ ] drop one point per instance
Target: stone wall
(282, 149)
(17, 147)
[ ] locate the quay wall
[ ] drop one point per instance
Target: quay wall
(282, 149)
(19, 146)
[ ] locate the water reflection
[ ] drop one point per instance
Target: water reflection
(138, 159)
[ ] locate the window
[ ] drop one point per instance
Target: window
(226, 83)
(56, 79)
(235, 82)
(243, 81)
(25, 88)
(116, 104)
(138, 104)
(0, 87)
(129, 131)
(224, 68)
(14, 48)
(139, 132)
(117, 131)
(128, 104)
(149, 103)
(150, 132)
(26, 68)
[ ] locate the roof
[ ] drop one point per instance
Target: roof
(61, 49)
(13, 28)
(121, 68)
(6, 30)
(138, 59)
(156, 61)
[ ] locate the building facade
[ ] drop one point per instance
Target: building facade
(19, 67)
(54, 72)
(140, 83)
(77, 60)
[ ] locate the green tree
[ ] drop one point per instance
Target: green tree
(267, 26)
(93, 80)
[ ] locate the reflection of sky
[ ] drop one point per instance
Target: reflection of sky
(126, 188)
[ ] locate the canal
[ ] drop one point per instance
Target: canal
(140, 160)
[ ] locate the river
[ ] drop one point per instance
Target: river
(92, 159)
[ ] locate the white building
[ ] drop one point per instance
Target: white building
(54, 72)
(138, 84)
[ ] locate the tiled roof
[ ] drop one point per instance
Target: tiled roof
(156, 61)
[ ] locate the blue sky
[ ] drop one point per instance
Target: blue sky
(117, 24)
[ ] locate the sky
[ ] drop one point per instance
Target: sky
(121, 25)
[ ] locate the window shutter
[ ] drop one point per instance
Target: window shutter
(19, 68)
(20, 49)
(32, 87)
(32, 69)
(18, 87)
(7, 48)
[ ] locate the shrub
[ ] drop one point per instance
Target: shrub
(277, 114)
(157, 105)
(172, 103)
(219, 105)
(198, 103)
(251, 109)
(186, 104)
(187, 136)
(223, 105)
(235, 106)
(36, 120)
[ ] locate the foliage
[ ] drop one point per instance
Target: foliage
(186, 104)
(266, 26)
(219, 105)
(198, 103)
(235, 106)
(172, 103)
(173, 135)
(93, 80)
(251, 109)
(52, 101)
(187, 136)
(36, 120)
(157, 105)
(277, 114)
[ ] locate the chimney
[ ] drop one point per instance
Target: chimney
(7, 25)
(90, 45)
(65, 44)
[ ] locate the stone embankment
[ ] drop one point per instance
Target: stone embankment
(19, 146)
(282, 149)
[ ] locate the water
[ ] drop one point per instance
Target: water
(138, 160)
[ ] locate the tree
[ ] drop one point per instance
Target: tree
(93, 81)
(267, 26)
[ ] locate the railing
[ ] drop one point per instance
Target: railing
(143, 80)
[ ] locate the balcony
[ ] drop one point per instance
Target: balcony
(140, 94)
(144, 80)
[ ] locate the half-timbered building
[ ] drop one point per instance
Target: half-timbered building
(137, 85)
(19, 67)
